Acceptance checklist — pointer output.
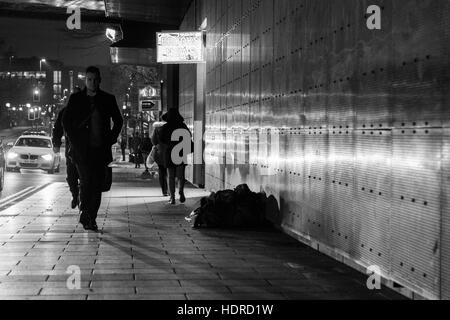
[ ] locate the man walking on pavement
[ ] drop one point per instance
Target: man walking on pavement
(87, 122)
(72, 174)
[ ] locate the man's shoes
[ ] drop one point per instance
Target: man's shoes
(182, 198)
(74, 203)
(92, 226)
(85, 224)
(172, 201)
(165, 194)
(84, 219)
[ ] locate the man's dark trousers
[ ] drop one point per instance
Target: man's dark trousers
(92, 176)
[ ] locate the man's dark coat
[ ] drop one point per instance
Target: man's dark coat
(76, 121)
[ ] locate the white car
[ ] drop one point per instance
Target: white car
(33, 152)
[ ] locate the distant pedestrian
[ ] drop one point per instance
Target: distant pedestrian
(123, 147)
(174, 121)
(137, 151)
(87, 121)
(146, 149)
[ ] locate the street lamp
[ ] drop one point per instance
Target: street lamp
(10, 59)
(36, 95)
(40, 63)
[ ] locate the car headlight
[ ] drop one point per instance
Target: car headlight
(12, 155)
(47, 157)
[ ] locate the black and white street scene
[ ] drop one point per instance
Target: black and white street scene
(224, 150)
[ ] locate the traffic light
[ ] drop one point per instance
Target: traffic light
(36, 95)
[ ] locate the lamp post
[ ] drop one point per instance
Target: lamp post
(40, 64)
(9, 78)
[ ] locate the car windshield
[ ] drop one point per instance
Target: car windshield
(34, 142)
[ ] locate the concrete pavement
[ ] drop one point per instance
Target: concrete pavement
(146, 250)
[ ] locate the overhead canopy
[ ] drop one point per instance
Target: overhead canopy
(163, 12)
(139, 19)
(156, 12)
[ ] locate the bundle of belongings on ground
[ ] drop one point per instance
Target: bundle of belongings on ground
(231, 209)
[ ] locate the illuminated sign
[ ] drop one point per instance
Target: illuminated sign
(179, 47)
(149, 99)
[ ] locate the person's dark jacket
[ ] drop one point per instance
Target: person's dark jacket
(76, 124)
(174, 121)
(161, 148)
(146, 145)
(137, 145)
(58, 133)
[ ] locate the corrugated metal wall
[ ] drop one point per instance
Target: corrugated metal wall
(348, 128)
